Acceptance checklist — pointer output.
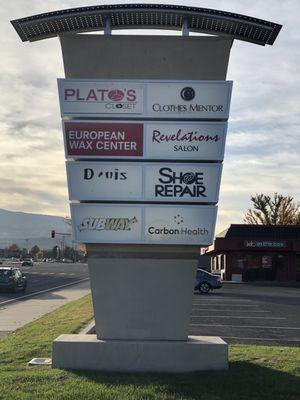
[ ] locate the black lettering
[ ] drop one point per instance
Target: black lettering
(88, 173)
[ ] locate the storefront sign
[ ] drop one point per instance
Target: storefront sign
(150, 140)
(103, 139)
(150, 99)
(273, 244)
(98, 223)
(93, 98)
(98, 181)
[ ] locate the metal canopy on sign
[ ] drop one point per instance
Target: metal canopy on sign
(147, 16)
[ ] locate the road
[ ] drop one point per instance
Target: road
(239, 313)
(244, 313)
(45, 276)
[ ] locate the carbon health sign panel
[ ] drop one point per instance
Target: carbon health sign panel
(99, 223)
(148, 99)
(177, 182)
(140, 139)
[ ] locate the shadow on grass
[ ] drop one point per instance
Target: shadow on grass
(244, 380)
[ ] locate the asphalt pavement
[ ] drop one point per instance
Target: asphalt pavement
(239, 313)
(47, 276)
(252, 314)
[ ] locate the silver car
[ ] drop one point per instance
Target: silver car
(205, 281)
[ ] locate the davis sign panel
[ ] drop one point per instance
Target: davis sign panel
(147, 99)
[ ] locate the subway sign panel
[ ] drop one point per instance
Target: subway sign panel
(158, 182)
(149, 140)
(139, 223)
(147, 99)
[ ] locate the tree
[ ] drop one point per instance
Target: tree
(14, 247)
(34, 251)
(279, 210)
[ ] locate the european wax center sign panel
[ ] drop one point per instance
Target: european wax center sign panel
(149, 99)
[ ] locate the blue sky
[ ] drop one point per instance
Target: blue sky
(263, 146)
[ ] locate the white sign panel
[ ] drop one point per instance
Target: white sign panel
(93, 98)
(149, 140)
(104, 181)
(189, 141)
(180, 225)
(159, 224)
(150, 99)
(100, 181)
(106, 224)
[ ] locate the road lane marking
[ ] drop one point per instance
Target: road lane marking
(41, 292)
(226, 304)
(267, 339)
(249, 326)
(248, 311)
(233, 317)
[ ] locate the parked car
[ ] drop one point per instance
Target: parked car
(12, 279)
(205, 281)
(28, 262)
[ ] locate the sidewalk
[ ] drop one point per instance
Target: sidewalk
(20, 313)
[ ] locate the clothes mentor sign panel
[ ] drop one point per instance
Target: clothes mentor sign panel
(140, 139)
(139, 223)
(149, 99)
(178, 182)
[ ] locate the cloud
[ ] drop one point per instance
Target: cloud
(263, 147)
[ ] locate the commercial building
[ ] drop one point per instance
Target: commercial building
(257, 253)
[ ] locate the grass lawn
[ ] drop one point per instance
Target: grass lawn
(256, 372)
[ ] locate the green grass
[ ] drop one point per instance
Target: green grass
(256, 372)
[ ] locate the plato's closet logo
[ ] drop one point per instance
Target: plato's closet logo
(121, 98)
(106, 224)
(180, 184)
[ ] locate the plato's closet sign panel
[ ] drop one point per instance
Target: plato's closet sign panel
(149, 140)
(159, 224)
(147, 99)
(158, 182)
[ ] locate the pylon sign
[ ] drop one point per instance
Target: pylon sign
(176, 130)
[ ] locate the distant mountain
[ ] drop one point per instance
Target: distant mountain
(26, 229)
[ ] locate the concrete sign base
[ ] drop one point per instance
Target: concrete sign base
(86, 352)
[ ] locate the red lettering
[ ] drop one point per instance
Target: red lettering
(91, 95)
(78, 95)
(102, 93)
(69, 93)
(131, 95)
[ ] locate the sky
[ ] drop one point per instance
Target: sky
(263, 148)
